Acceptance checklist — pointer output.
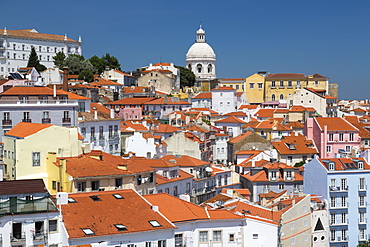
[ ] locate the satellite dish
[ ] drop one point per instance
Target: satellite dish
(208, 169)
(70, 178)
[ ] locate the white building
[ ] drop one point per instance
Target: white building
(201, 59)
(168, 66)
(16, 45)
(224, 100)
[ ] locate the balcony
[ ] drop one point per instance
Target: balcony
(92, 138)
(362, 188)
(101, 137)
(338, 188)
(27, 120)
(17, 237)
(362, 221)
(7, 122)
(66, 120)
(46, 120)
(38, 236)
(203, 190)
(342, 239)
(362, 204)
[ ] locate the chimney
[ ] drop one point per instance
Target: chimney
(95, 115)
(155, 208)
(54, 91)
(65, 78)
(253, 163)
(112, 113)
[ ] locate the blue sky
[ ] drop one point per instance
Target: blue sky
(331, 38)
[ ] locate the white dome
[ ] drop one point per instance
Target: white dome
(200, 51)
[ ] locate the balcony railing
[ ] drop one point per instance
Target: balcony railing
(27, 120)
(38, 236)
(46, 120)
(92, 138)
(7, 122)
(66, 120)
(338, 188)
(362, 187)
(17, 237)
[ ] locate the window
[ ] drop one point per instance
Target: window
(281, 83)
(110, 130)
(26, 116)
(341, 137)
(362, 234)
(290, 84)
(221, 103)
(6, 115)
(273, 175)
(361, 217)
(362, 201)
(273, 97)
(88, 231)
(101, 135)
(175, 192)
(351, 136)
(255, 235)
(266, 188)
(161, 243)
(298, 84)
(210, 68)
(35, 158)
(331, 166)
(53, 226)
(81, 186)
(292, 241)
(81, 106)
(237, 87)
(118, 182)
(344, 233)
(360, 165)
(95, 185)
(281, 97)
(273, 84)
(328, 149)
(251, 85)
(332, 234)
(331, 137)
(178, 240)
(333, 201)
(65, 114)
(288, 175)
(332, 218)
(217, 236)
(45, 114)
(343, 184)
(199, 68)
(83, 131)
(333, 182)
(344, 218)
(281, 186)
(231, 237)
(292, 226)
(361, 184)
(203, 236)
(343, 200)
(260, 85)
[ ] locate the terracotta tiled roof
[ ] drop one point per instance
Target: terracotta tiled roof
(196, 129)
(72, 95)
(223, 89)
(335, 124)
(340, 164)
(358, 110)
(236, 114)
(126, 126)
(182, 175)
(254, 210)
(251, 124)
(166, 101)
(286, 76)
(162, 64)
(297, 108)
(24, 186)
(262, 176)
(249, 107)
(24, 129)
(132, 211)
(203, 96)
(231, 119)
(185, 161)
(165, 128)
(153, 162)
(102, 81)
(295, 145)
(135, 90)
(295, 125)
(98, 107)
(317, 77)
(233, 79)
(240, 137)
(364, 132)
(130, 101)
(28, 90)
(27, 33)
(265, 113)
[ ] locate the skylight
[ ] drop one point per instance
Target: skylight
(71, 200)
(95, 198)
(118, 196)
(121, 227)
(88, 231)
(154, 223)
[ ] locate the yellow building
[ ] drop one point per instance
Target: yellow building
(282, 85)
(237, 83)
(27, 146)
(255, 88)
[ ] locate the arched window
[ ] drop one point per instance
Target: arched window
(281, 96)
(199, 68)
(189, 66)
(209, 68)
(273, 98)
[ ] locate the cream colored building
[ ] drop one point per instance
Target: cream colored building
(27, 146)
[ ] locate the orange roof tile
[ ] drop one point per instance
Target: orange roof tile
(240, 137)
(98, 107)
(295, 145)
(185, 161)
(249, 107)
(24, 129)
(182, 176)
(339, 164)
(132, 211)
(286, 76)
(130, 101)
(335, 124)
(165, 128)
(223, 89)
(264, 113)
(231, 119)
(166, 101)
(203, 96)
(135, 89)
(250, 209)
(29, 33)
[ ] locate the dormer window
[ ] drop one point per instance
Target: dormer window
(331, 166)
(289, 175)
(88, 231)
(360, 165)
(273, 175)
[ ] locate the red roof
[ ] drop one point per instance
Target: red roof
(286, 76)
(24, 129)
(335, 124)
(203, 96)
(223, 89)
(231, 119)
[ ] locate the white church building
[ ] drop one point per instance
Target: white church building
(201, 59)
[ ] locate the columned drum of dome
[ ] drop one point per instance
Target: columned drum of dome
(201, 59)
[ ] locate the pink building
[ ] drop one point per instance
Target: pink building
(333, 136)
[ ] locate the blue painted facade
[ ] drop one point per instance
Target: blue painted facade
(342, 183)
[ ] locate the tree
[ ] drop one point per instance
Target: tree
(59, 59)
(364, 244)
(98, 63)
(111, 61)
(76, 64)
(33, 61)
(86, 75)
(187, 77)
